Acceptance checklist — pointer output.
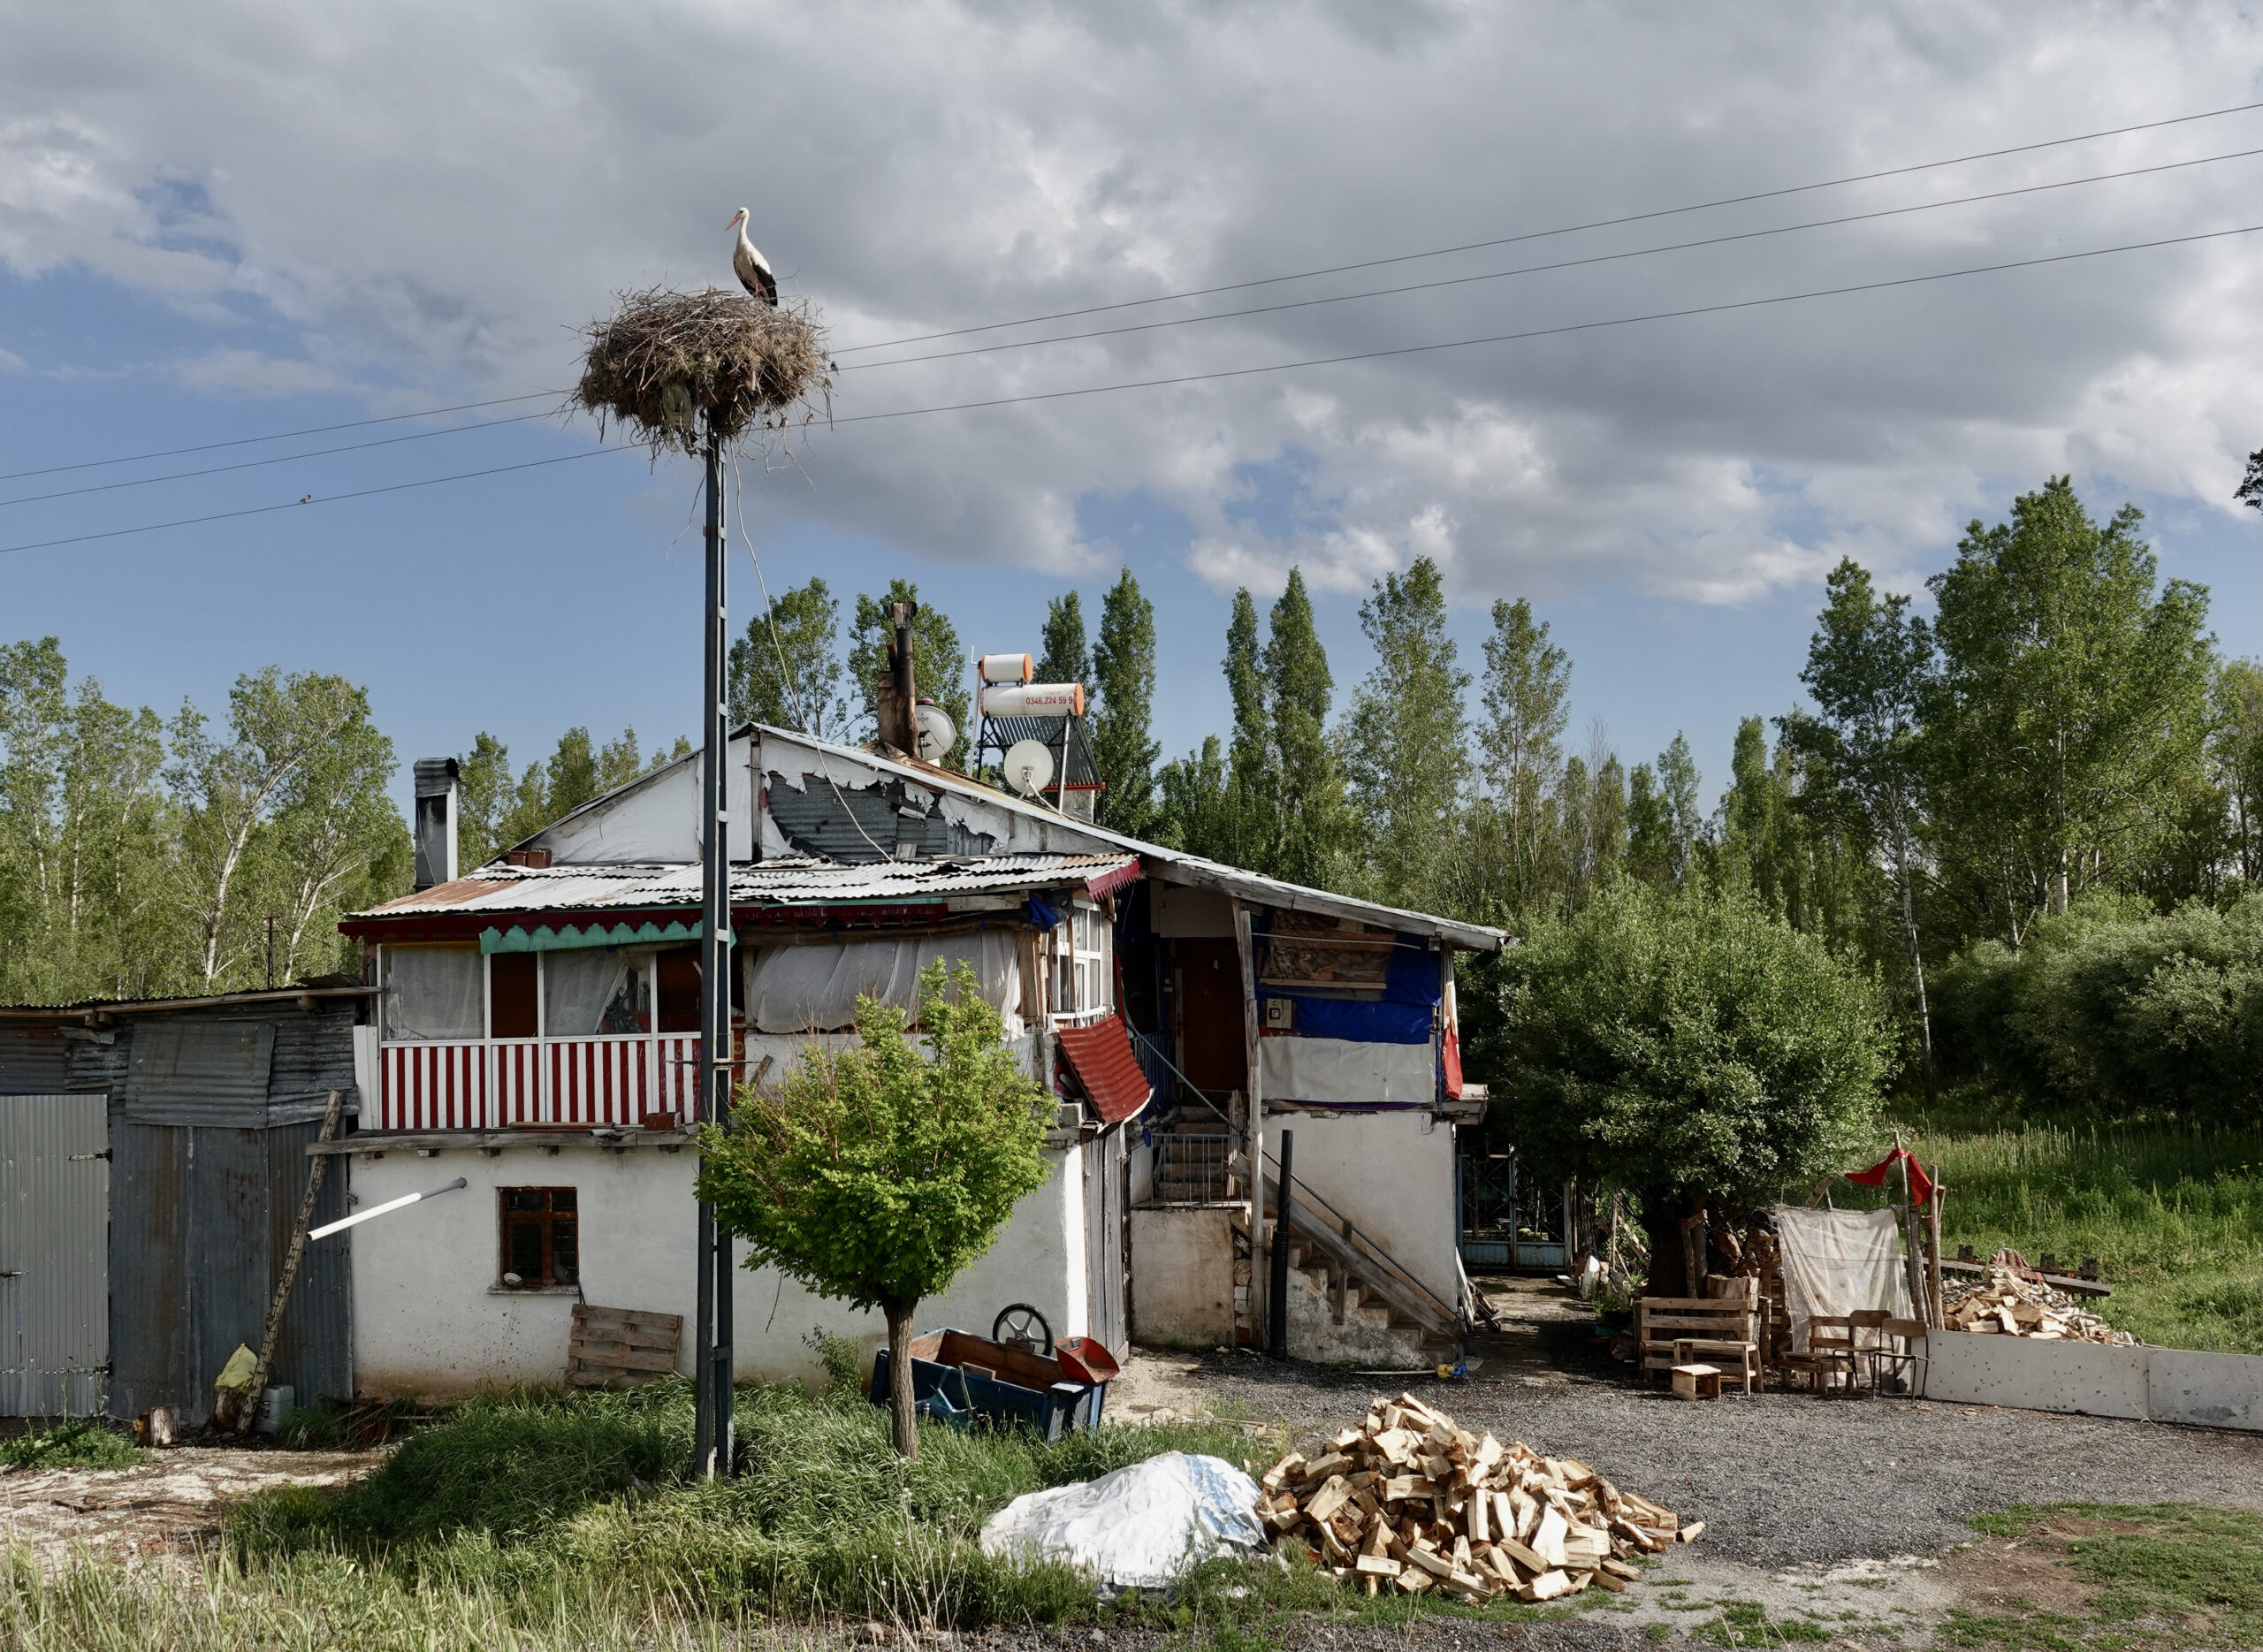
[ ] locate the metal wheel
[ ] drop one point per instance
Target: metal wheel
(1022, 1326)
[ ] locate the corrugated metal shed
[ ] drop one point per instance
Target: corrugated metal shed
(210, 1108)
(33, 1061)
(54, 1217)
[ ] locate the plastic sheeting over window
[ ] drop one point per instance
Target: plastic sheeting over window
(578, 988)
(1339, 1071)
(815, 988)
(1837, 1262)
(434, 992)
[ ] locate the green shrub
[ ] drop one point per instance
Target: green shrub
(80, 1443)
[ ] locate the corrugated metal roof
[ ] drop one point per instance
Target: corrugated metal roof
(505, 890)
(1101, 1054)
(200, 1071)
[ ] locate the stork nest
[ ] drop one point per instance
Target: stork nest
(674, 366)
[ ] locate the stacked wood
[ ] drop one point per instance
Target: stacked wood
(620, 1348)
(1409, 1502)
(2006, 1305)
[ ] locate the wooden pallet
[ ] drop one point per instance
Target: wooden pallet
(621, 1347)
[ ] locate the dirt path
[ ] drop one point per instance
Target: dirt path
(171, 1504)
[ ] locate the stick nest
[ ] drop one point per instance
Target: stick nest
(673, 366)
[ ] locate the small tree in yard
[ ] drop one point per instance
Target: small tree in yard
(874, 1176)
(1686, 1047)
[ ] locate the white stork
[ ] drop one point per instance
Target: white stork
(753, 268)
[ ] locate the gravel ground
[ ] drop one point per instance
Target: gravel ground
(1784, 1480)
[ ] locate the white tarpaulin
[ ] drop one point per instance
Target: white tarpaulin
(1139, 1527)
(1321, 1071)
(1837, 1262)
(815, 988)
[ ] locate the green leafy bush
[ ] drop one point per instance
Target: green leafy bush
(80, 1443)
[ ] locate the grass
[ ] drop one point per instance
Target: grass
(2174, 1215)
(79, 1442)
(2161, 1575)
(538, 1520)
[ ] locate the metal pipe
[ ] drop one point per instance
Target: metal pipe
(1277, 1286)
(378, 1210)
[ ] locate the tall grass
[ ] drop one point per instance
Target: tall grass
(2174, 1214)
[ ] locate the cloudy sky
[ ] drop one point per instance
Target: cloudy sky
(221, 222)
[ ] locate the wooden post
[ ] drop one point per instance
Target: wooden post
(1933, 1258)
(1276, 1280)
(1253, 1101)
(274, 1330)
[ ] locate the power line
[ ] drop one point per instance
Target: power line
(283, 459)
(247, 441)
(1724, 308)
(1549, 332)
(1567, 229)
(1702, 206)
(327, 499)
(1567, 263)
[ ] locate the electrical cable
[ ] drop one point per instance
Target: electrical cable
(1637, 218)
(785, 674)
(1724, 308)
(1547, 332)
(283, 459)
(1568, 229)
(1567, 263)
(277, 436)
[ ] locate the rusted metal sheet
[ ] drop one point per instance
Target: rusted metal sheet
(200, 1070)
(33, 1061)
(203, 1220)
(54, 1221)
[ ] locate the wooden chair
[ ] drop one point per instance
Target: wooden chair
(1718, 1326)
(1896, 1366)
(1827, 1363)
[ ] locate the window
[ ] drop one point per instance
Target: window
(1084, 964)
(433, 992)
(541, 1238)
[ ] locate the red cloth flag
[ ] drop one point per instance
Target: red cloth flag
(1921, 1185)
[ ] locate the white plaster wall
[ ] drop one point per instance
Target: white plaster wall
(656, 818)
(1182, 1277)
(427, 1318)
(1391, 1173)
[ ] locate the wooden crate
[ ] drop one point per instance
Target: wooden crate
(621, 1347)
(1697, 1383)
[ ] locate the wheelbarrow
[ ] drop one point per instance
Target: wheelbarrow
(1004, 1380)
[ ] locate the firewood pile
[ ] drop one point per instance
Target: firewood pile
(2009, 1306)
(1411, 1503)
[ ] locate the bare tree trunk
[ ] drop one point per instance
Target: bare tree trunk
(899, 1310)
(1916, 956)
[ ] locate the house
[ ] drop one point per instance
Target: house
(153, 1169)
(537, 1027)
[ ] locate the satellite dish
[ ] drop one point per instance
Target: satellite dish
(937, 733)
(1029, 766)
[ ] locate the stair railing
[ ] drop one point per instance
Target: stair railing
(1368, 1243)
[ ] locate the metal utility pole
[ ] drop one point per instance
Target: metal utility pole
(712, 1431)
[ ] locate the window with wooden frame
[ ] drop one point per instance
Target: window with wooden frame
(541, 1248)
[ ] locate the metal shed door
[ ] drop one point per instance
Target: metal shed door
(54, 1254)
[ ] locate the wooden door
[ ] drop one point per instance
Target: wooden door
(1212, 1035)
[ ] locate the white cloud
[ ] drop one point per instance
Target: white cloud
(435, 192)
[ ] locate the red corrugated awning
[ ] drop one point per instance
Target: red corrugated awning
(1107, 883)
(1101, 1056)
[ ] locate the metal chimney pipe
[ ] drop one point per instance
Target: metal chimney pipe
(899, 701)
(436, 820)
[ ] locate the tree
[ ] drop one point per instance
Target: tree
(1310, 828)
(1123, 676)
(804, 626)
(1248, 815)
(1685, 1048)
(1662, 821)
(1406, 752)
(484, 794)
(1527, 681)
(280, 729)
(2071, 699)
(938, 661)
(1869, 669)
(1065, 658)
(1194, 803)
(2236, 749)
(873, 1176)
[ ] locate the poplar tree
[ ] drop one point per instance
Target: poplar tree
(1123, 674)
(1406, 744)
(1309, 818)
(1065, 657)
(1248, 816)
(1527, 681)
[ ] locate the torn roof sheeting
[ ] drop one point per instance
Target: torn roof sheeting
(1037, 827)
(1105, 1065)
(499, 891)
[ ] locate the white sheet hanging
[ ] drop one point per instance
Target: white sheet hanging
(815, 988)
(435, 993)
(1839, 1261)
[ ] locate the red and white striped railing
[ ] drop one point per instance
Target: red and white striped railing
(558, 1084)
